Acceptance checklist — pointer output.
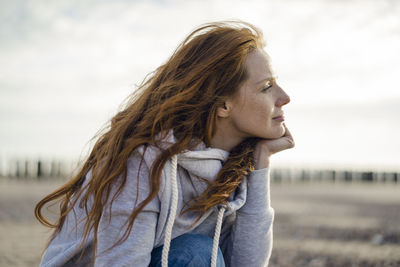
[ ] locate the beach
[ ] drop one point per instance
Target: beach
(316, 223)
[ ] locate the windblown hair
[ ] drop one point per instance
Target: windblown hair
(182, 95)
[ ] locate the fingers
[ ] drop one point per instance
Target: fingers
(288, 136)
(272, 146)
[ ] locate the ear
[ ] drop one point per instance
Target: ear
(225, 110)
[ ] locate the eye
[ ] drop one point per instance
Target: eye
(267, 86)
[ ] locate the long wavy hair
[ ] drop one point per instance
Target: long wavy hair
(182, 95)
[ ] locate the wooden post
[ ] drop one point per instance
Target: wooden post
(367, 177)
(39, 173)
(26, 171)
(347, 176)
(17, 171)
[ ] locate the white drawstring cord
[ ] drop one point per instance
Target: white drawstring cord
(172, 215)
(216, 236)
(171, 220)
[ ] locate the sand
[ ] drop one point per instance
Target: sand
(316, 224)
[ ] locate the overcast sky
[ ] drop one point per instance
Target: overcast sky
(66, 66)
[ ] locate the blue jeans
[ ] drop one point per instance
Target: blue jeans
(189, 250)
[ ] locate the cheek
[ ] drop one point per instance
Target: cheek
(254, 116)
(259, 114)
(263, 109)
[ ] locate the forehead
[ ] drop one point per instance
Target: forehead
(258, 66)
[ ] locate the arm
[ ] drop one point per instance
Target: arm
(136, 250)
(251, 236)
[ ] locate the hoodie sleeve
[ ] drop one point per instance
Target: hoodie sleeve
(136, 250)
(250, 241)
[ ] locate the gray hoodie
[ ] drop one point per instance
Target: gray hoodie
(245, 237)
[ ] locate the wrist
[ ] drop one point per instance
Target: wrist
(262, 161)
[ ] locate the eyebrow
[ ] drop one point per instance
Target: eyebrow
(272, 79)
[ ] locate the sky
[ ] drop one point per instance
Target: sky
(66, 67)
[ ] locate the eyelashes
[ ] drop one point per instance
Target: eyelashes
(268, 86)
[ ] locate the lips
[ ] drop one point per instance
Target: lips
(279, 118)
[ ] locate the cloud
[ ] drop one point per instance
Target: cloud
(84, 57)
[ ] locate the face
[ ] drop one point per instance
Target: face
(256, 110)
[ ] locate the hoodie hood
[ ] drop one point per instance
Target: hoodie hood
(200, 163)
(203, 162)
(206, 163)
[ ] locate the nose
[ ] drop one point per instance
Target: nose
(282, 99)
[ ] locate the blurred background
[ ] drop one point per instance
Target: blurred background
(66, 67)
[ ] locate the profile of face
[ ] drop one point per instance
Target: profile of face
(256, 109)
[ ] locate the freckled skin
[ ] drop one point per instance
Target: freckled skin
(253, 108)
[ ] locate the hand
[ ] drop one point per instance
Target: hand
(267, 147)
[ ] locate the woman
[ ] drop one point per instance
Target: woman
(181, 177)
